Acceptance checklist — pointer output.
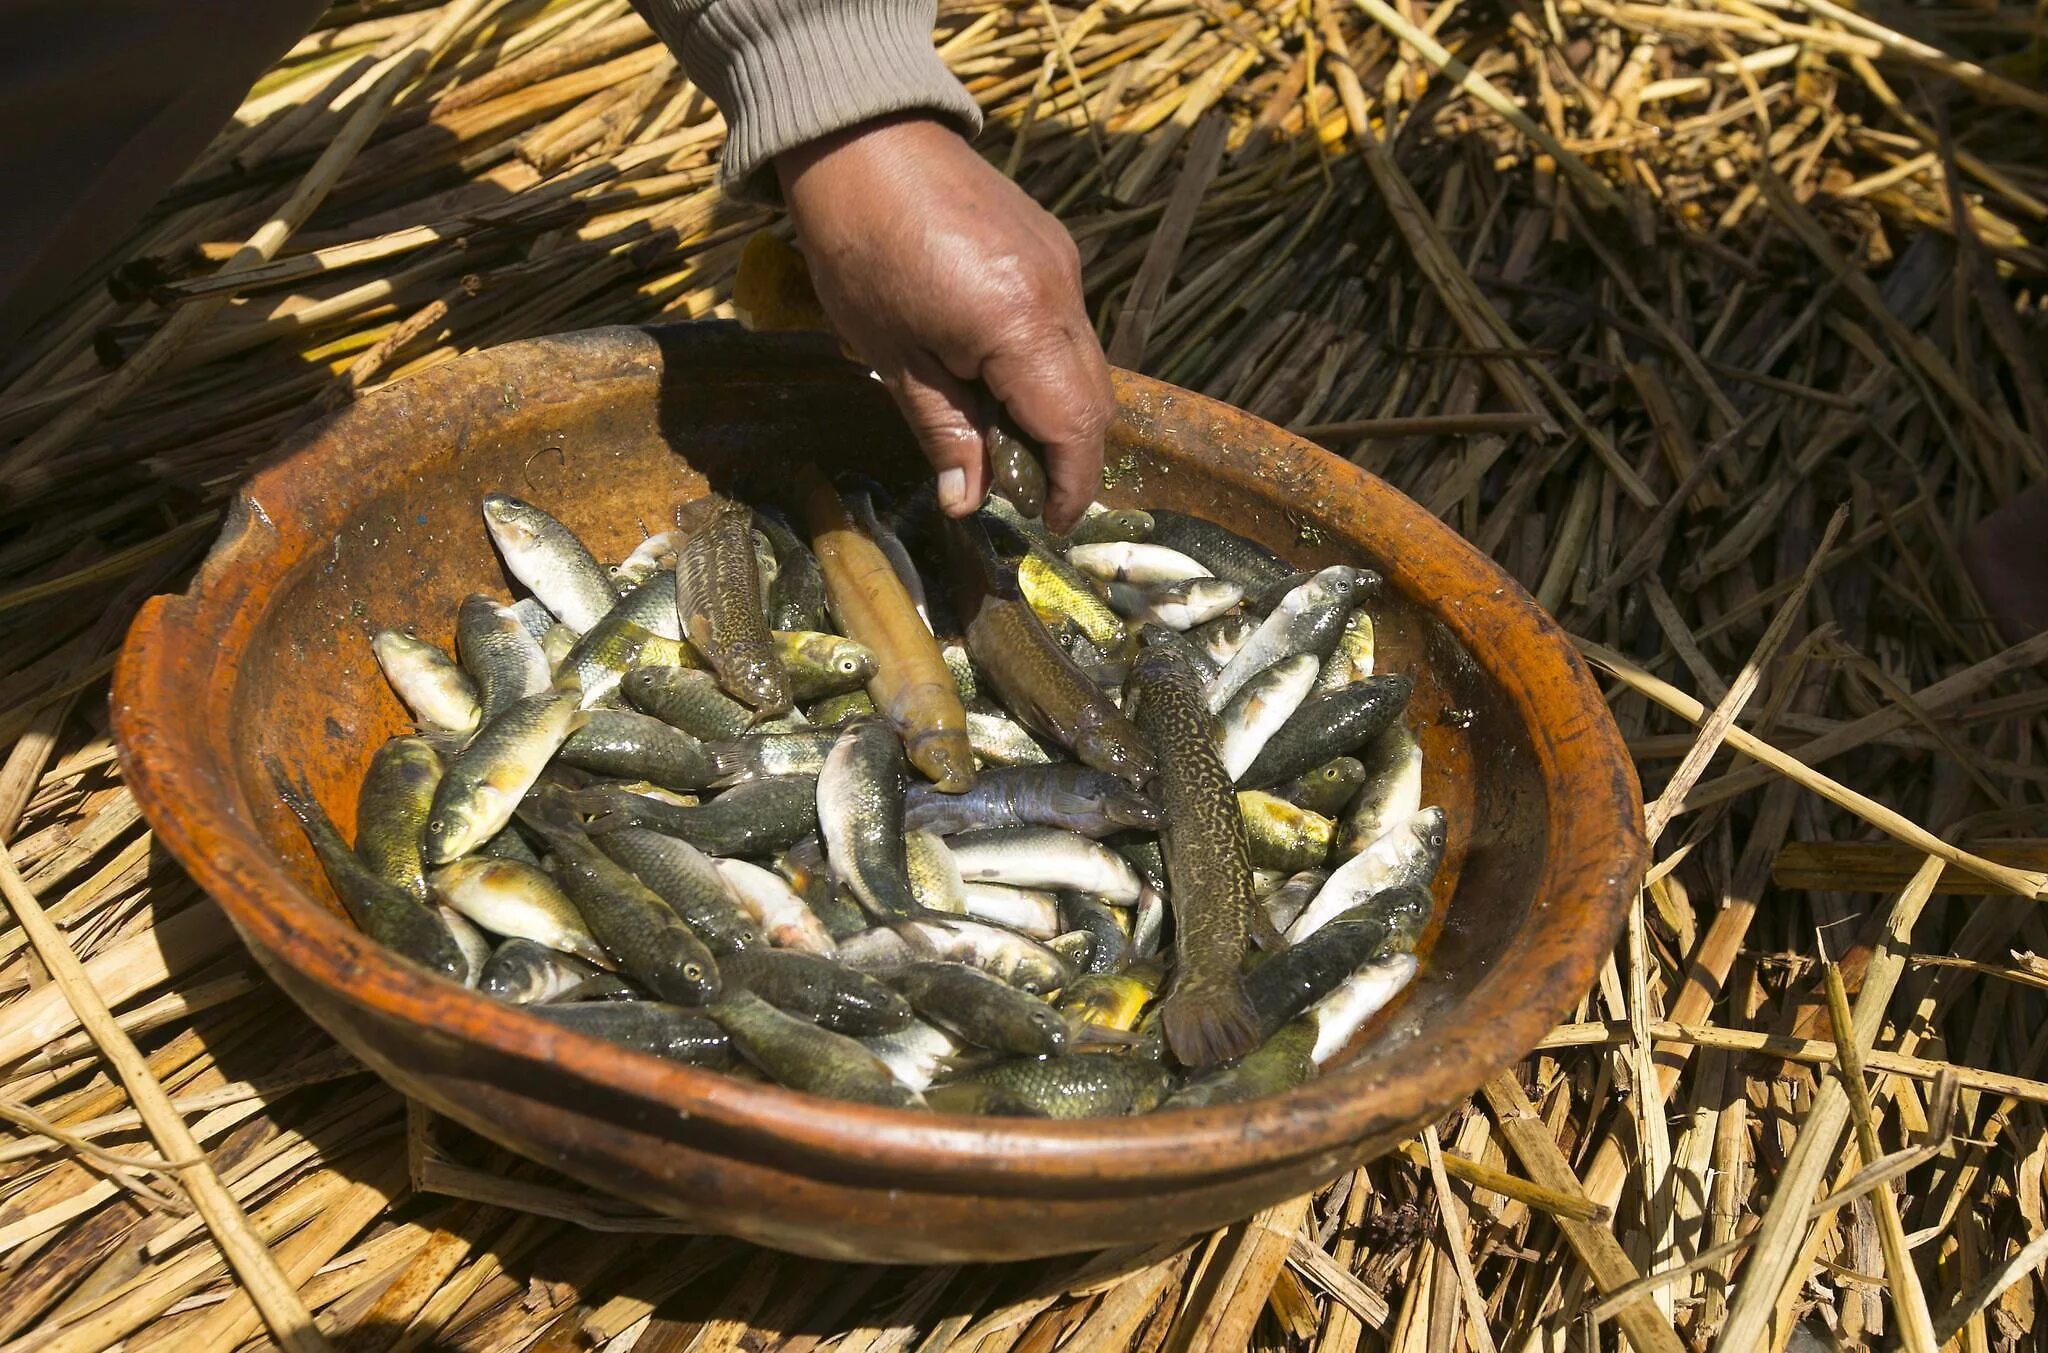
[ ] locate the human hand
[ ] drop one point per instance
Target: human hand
(941, 273)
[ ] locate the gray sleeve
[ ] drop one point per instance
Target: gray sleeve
(784, 72)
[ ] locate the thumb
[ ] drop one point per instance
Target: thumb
(941, 411)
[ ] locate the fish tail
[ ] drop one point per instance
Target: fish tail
(292, 789)
(1210, 1023)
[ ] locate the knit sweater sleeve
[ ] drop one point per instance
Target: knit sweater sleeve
(784, 72)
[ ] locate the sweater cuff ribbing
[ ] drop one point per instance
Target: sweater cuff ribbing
(786, 72)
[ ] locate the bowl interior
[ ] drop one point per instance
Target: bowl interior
(613, 464)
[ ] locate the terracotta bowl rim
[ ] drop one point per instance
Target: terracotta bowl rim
(178, 772)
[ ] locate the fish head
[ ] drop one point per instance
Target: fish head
(944, 758)
(1408, 911)
(1344, 770)
(1129, 808)
(845, 658)
(512, 521)
(1104, 750)
(1338, 583)
(1133, 523)
(1048, 1028)
(1037, 970)
(459, 826)
(1429, 827)
(693, 982)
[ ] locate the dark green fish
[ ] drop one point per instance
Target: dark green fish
(1207, 1017)
(1296, 977)
(797, 598)
(646, 1026)
(386, 912)
(1335, 723)
(631, 746)
(1038, 683)
(688, 699)
(651, 604)
(983, 1101)
(757, 817)
(835, 710)
(392, 808)
(1146, 856)
(797, 1053)
(650, 942)
(831, 996)
(1075, 798)
(718, 596)
(1099, 524)
(1075, 1085)
(684, 877)
(984, 1010)
(1223, 552)
(509, 845)
(611, 648)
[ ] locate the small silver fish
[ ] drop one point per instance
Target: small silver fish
(1408, 855)
(440, 694)
(1261, 707)
(1044, 857)
(549, 560)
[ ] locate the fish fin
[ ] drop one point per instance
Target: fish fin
(730, 763)
(1264, 933)
(1211, 1024)
(905, 928)
(445, 744)
(293, 790)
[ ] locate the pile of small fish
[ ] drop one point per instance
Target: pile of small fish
(1113, 821)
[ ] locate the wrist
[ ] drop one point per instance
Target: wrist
(865, 147)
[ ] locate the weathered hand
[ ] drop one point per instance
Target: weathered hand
(941, 274)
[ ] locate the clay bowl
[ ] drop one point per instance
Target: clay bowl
(373, 522)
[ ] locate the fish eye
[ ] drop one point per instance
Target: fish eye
(849, 665)
(693, 972)
(436, 826)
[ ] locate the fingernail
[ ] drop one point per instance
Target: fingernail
(953, 489)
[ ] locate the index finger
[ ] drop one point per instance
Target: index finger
(1056, 390)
